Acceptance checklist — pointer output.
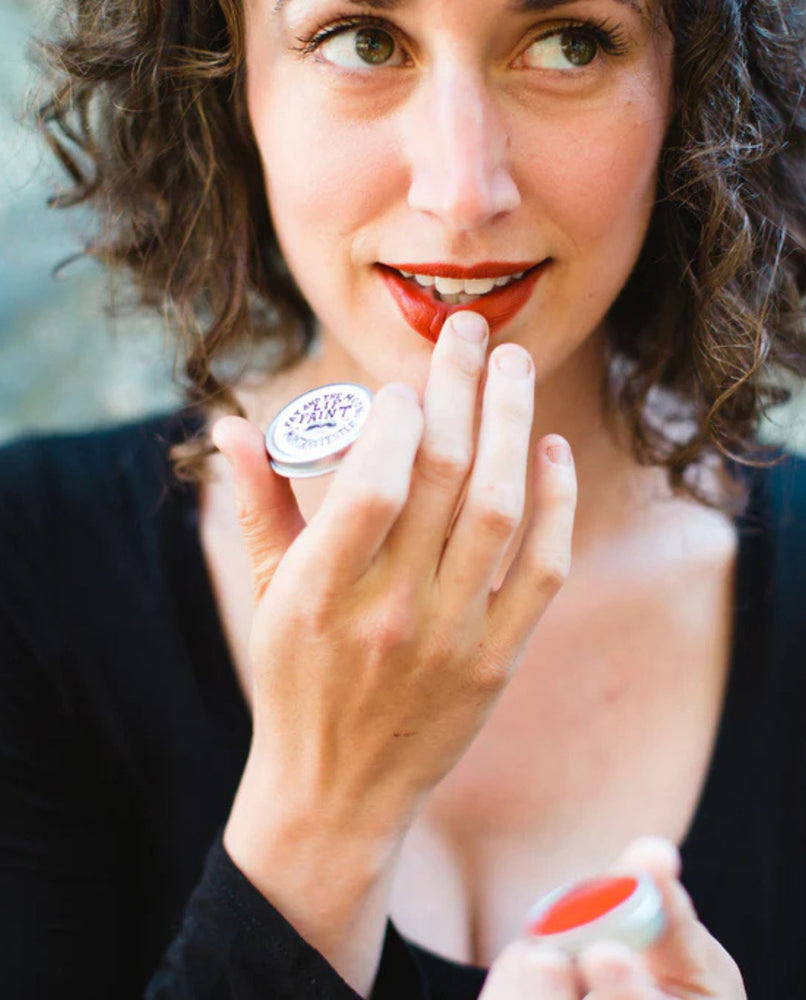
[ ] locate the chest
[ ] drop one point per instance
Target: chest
(605, 734)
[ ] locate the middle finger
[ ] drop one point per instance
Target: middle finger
(445, 454)
(494, 506)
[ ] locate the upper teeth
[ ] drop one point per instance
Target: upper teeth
(455, 286)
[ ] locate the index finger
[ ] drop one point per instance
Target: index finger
(369, 488)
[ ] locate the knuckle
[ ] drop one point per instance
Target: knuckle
(376, 505)
(509, 965)
(490, 677)
(562, 489)
(392, 415)
(548, 969)
(400, 408)
(513, 406)
(397, 402)
(496, 522)
(497, 510)
(311, 617)
(393, 626)
(515, 409)
(551, 570)
(398, 630)
(245, 513)
(254, 528)
(469, 364)
(440, 465)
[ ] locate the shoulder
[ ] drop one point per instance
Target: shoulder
(776, 510)
(772, 573)
(58, 492)
(77, 512)
(40, 471)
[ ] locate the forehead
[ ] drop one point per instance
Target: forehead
(514, 6)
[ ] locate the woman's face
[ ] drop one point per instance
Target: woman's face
(464, 139)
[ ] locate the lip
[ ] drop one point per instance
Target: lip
(487, 269)
(426, 316)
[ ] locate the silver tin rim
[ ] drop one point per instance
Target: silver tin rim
(298, 454)
(637, 922)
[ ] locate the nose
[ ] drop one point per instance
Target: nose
(458, 151)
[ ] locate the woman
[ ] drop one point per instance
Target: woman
(433, 720)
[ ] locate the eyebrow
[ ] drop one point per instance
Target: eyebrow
(517, 6)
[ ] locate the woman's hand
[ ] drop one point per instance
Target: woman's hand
(379, 644)
(686, 963)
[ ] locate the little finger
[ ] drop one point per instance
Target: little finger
(543, 560)
(496, 493)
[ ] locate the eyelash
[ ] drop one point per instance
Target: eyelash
(608, 37)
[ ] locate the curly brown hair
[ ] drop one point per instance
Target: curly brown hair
(149, 118)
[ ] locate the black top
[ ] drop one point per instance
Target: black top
(123, 735)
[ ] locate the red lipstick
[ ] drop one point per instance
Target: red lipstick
(487, 269)
(426, 315)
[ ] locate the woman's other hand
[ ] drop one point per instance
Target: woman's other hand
(379, 641)
(685, 963)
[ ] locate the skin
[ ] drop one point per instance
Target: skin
(685, 963)
(458, 157)
(393, 602)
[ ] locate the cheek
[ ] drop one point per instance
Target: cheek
(607, 180)
(322, 173)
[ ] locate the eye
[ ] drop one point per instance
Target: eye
(357, 48)
(563, 49)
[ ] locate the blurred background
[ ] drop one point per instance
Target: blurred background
(64, 362)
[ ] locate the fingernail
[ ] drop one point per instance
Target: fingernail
(514, 363)
(469, 326)
(559, 453)
(548, 953)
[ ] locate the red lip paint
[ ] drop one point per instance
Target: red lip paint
(426, 315)
(626, 908)
(583, 903)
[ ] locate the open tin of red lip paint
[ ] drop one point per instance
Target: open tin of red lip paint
(312, 433)
(619, 907)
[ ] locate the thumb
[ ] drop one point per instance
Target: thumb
(679, 953)
(265, 503)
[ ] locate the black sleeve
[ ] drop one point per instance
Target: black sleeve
(63, 888)
(63, 901)
(59, 906)
(70, 924)
(63, 926)
(233, 943)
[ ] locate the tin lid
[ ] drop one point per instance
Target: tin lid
(312, 433)
(618, 907)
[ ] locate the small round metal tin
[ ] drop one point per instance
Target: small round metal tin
(311, 435)
(618, 907)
